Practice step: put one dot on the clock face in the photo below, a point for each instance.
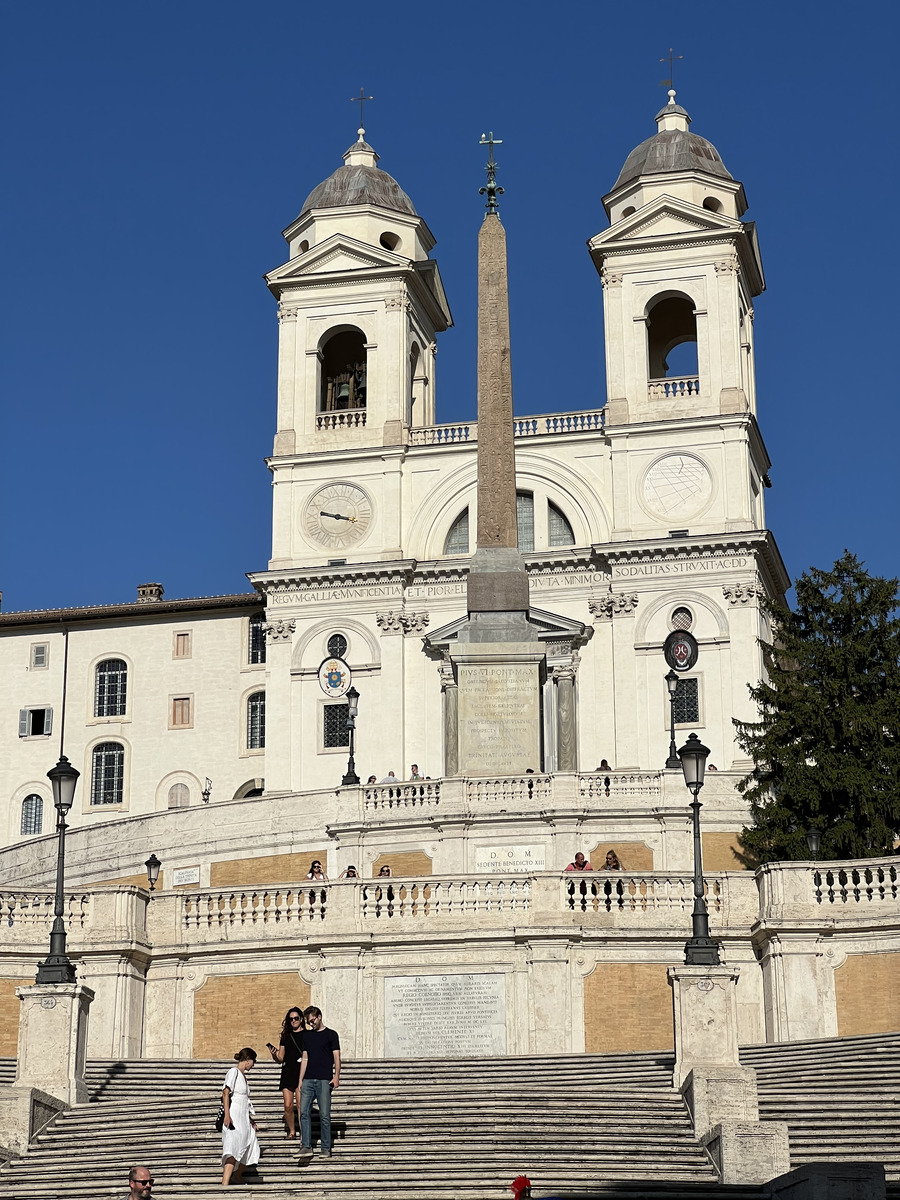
(337, 516)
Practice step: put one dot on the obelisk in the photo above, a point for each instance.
(498, 659)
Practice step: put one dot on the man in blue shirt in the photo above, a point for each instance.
(320, 1074)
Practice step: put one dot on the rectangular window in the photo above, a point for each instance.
(334, 726)
(687, 702)
(35, 722)
(40, 656)
(256, 644)
(182, 647)
(181, 712)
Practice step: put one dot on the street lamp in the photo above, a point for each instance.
(700, 950)
(152, 864)
(352, 709)
(206, 789)
(814, 841)
(57, 967)
(672, 762)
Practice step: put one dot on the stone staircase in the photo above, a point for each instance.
(840, 1098)
(441, 1130)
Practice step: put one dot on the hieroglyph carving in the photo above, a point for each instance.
(613, 605)
(280, 631)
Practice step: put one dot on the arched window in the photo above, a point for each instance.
(110, 684)
(256, 642)
(256, 721)
(558, 527)
(107, 773)
(179, 795)
(32, 814)
(525, 520)
(343, 371)
(671, 324)
(457, 540)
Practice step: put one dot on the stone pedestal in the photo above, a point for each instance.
(748, 1151)
(706, 1026)
(53, 1024)
(499, 715)
(24, 1112)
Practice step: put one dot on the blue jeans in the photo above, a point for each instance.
(320, 1091)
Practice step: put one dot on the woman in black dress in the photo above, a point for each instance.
(288, 1054)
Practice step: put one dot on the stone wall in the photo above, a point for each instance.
(233, 1011)
(627, 1006)
(867, 988)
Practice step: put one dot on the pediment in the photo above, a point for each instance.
(337, 253)
(666, 217)
(551, 627)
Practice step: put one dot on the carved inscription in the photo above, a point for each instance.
(681, 566)
(444, 1016)
(499, 730)
(508, 860)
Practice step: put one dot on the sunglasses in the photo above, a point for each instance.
(296, 1018)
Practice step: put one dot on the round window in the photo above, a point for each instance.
(337, 645)
(682, 618)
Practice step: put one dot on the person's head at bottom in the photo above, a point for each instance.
(140, 1183)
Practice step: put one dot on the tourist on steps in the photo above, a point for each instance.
(140, 1183)
(288, 1054)
(320, 1074)
(240, 1147)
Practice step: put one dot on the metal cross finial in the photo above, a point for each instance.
(491, 191)
(360, 100)
(671, 58)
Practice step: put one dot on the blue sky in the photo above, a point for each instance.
(154, 153)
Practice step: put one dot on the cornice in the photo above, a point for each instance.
(142, 608)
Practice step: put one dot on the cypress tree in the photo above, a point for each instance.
(826, 747)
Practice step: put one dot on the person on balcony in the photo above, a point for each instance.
(612, 861)
(316, 872)
(580, 864)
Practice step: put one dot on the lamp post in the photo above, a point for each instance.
(700, 950)
(814, 841)
(57, 967)
(352, 709)
(206, 789)
(672, 762)
(152, 864)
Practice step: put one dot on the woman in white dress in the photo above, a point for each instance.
(240, 1147)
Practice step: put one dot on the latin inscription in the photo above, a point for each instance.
(498, 718)
(444, 1016)
(507, 860)
(686, 566)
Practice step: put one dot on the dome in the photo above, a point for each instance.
(359, 181)
(673, 148)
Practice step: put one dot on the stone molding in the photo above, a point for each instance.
(285, 313)
(407, 623)
(613, 605)
(280, 631)
(742, 593)
(610, 278)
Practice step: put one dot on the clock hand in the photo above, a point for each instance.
(337, 516)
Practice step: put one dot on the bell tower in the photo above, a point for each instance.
(360, 304)
(679, 270)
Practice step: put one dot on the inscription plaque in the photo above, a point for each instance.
(444, 1016)
(499, 718)
(502, 860)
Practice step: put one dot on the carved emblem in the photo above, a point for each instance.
(280, 631)
(741, 593)
(402, 622)
(613, 605)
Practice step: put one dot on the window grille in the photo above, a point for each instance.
(110, 688)
(335, 731)
(256, 721)
(682, 618)
(525, 520)
(687, 702)
(179, 795)
(32, 814)
(107, 773)
(458, 538)
(560, 531)
(257, 641)
(337, 645)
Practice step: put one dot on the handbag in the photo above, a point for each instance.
(220, 1117)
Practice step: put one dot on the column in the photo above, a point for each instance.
(566, 739)
(450, 698)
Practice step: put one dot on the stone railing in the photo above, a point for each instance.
(347, 418)
(394, 796)
(615, 785)
(675, 388)
(515, 790)
(234, 908)
(432, 897)
(614, 891)
(857, 890)
(92, 916)
(589, 421)
(27, 910)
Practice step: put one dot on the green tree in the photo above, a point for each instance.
(826, 747)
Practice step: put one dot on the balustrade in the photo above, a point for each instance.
(856, 884)
(599, 784)
(432, 897)
(620, 892)
(33, 911)
(513, 789)
(238, 907)
(346, 418)
(401, 795)
(675, 388)
(544, 425)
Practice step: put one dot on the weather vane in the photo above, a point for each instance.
(360, 100)
(491, 191)
(671, 59)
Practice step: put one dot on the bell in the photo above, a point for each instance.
(343, 391)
